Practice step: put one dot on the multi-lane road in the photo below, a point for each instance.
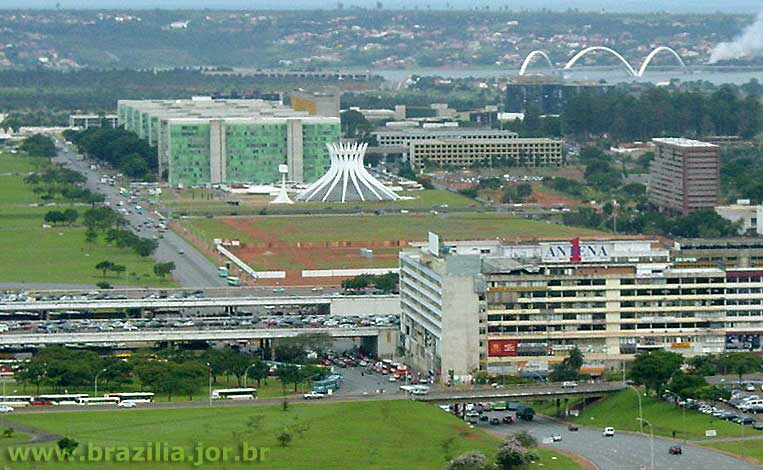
(624, 451)
(192, 268)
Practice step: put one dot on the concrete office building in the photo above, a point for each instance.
(685, 175)
(404, 137)
(86, 121)
(749, 216)
(519, 308)
(210, 141)
(548, 94)
(316, 103)
(532, 152)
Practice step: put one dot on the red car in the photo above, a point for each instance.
(675, 450)
(508, 420)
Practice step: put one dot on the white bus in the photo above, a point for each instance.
(98, 401)
(234, 394)
(136, 397)
(15, 401)
(62, 399)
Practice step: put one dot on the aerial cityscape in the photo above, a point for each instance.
(381, 235)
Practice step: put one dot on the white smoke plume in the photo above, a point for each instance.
(749, 43)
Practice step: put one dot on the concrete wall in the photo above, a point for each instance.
(460, 345)
(365, 306)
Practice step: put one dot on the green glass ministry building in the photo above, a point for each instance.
(210, 141)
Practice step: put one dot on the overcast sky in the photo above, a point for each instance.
(677, 6)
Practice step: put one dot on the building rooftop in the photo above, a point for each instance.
(448, 130)
(683, 142)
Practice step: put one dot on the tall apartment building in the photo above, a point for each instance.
(209, 141)
(519, 308)
(685, 175)
(488, 152)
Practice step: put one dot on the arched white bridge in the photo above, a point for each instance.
(632, 71)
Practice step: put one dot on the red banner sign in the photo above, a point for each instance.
(502, 347)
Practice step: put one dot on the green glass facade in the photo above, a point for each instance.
(254, 151)
(231, 141)
(189, 154)
(315, 155)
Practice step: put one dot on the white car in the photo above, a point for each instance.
(313, 396)
(608, 432)
(6, 409)
(127, 404)
(569, 384)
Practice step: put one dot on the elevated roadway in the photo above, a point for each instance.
(523, 393)
(339, 305)
(190, 335)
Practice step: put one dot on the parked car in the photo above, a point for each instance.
(757, 426)
(508, 420)
(495, 420)
(572, 427)
(675, 450)
(569, 384)
(556, 437)
(484, 418)
(608, 432)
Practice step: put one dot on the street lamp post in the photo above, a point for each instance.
(95, 382)
(651, 439)
(209, 370)
(640, 413)
(246, 372)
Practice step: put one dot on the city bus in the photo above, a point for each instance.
(98, 401)
(62, 399)
(234, 394)
(136, 397)
(15, 401)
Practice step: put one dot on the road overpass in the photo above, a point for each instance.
(384, 339)
(523, 393)
(339, 305)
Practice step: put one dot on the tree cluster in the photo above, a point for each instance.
(514, 194)
(57, 180)
(384, 282)
(569, 368)
(39, 145)
(515, 453)
(119, 148)
(68, 216)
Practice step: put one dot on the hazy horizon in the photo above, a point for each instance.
(624, 6)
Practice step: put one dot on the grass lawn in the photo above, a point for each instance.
(14, 191)
(388, 227)
(209, 202)
(16, 437)
(61, 255)
(620, 410)
(753, 449)
(15, 163)
(368, 435)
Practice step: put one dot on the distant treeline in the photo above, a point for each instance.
(658, 112)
